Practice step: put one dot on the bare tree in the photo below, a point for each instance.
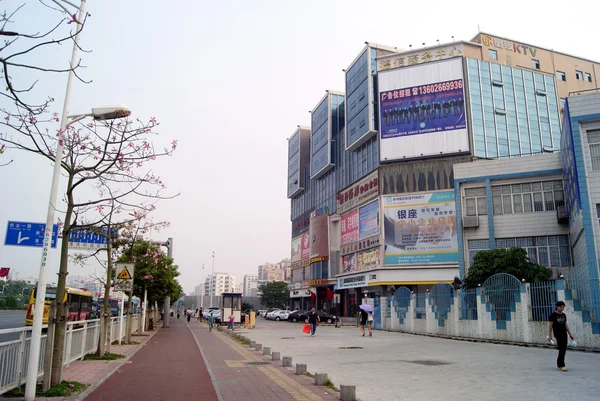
(103, 162)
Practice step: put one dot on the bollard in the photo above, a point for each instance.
(286, 362)
(347, 393)
(301, 369)
(275, 356)
(258, 347)
(267, 351)
(320, 379)
(252, 344)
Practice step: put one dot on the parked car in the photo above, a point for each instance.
(206, 312)
(297, 316)
(324, 317)
(261, 312)
(269, 311)
(279, 315)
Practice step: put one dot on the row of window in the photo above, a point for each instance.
(516, 198)
(548, 251)
(579, 75)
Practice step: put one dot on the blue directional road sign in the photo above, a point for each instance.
(22, 233)
(88, 239)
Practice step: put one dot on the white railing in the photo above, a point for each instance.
(81, 338)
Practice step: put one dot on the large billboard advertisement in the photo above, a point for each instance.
(296, 252)
(350, 227)
(319, 238)
(305, 246)
(570, 179)
(364, 190)
(422, 110)
(420, 229)
(368, 217)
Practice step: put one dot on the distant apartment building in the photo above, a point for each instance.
(219, 283)
(247, 285)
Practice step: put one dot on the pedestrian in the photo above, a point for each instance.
(201, 314)
(370, 320)
(211, 321)
(231, 324)
(363, 320)
(189, 315)
(313, 320)
(558, 325)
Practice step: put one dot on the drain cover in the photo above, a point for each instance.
(258, 363)
(288, 338)
(430, 362)
(351, 347)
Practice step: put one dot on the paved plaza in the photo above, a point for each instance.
(395, 366)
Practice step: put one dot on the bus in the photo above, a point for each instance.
(79, 301)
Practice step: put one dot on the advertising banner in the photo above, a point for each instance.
(357, 194)
(350, 227)
(368, 260)
(319, 239)
(349, 263)
(368, 220)
(305, 246)
(420, 229)
(360, 280)
(570, 181)
(296, 255)
(422, 109)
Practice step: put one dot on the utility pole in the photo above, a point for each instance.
(167, 302)
(214, 283)
(202, 298)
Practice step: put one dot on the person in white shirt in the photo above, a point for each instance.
(370, 320)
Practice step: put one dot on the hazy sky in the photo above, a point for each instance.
(230, 81)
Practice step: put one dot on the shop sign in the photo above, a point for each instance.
(358, 246)
(319, 259)
(300, 293)
(418, 57)
(299, 264)
(360, 280)
(315, 283)
(357, 194)
(508, 45)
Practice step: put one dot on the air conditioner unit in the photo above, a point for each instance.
(562, 215)
(470, 221)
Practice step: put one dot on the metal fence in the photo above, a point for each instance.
(468, 302)
(585, 291)
(501, 292)
(542, 297)
(441, 296)
(81, 338)
(421, 304)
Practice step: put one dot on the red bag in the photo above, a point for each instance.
(306, 328)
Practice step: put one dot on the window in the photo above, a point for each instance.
(561, 76)
(588, 77)
(530, 197)
(535, 64)
(594, 143)
(475, 201)
(493, 54)
(548, 251)
(579, 75)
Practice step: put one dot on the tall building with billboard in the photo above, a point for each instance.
(458, 153)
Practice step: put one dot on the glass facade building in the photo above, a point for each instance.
(514, 111)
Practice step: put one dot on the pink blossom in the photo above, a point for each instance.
(73, 19)
(174, 144)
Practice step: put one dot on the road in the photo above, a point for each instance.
(10, 319)
(395, 366)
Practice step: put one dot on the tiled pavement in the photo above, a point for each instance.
(239, 372)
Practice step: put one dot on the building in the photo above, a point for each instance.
(457, 153)
(219, 283)
(199, 290)
(248, 279)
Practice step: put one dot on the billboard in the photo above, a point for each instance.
(305, 246)
(420, 229)
(319, 238)
(349, 263)
(368, 259)
(350, 227)
(296, 253)
(362, 191)
(422, 110)
(368, 217)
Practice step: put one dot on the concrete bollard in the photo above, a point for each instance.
(276, 356)
(321, 379)
(267, 351)
(286, 362)
(258, 347)
(252, 344)
(347, 393)
(301, 369)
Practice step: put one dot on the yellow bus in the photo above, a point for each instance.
(80, 304)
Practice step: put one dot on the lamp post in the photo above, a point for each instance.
(98, 114)
(202, 298)
(212, 278)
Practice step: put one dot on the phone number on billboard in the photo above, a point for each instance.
(441, 87)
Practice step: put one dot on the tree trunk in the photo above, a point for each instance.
(62, 310)
(105, 328)
(129, 317)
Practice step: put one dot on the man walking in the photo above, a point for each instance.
(558, 325)
(231, 324)
(313, 320)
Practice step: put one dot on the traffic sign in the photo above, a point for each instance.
(22, 233)
(124, 279)
(86, 239)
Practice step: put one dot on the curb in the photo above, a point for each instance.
(491, 341)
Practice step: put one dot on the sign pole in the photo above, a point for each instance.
(121, 320)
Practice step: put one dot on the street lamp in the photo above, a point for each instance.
(98, 114)
(212, 278)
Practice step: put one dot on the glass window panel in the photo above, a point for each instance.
(595, 156)
(538, 203)
(563, 240)
(481, 206)
(554, 256)
(501, 243)
(518, 203)
(565, 256)
(527, 205)
(542, 241)
(549, 200)
(547, 185)
(526, 187)
(506, 189)
(543, 256)
(553, 240)
(497, 202)
(511, 242)
(522, 242)
(481, 191)
(537, 186)
(516, 188)
(507, 204)
(496, 191)
(532, 254)
(470, 193)
(558, 185)
(471, 207)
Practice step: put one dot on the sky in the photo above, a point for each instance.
(230, 81)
